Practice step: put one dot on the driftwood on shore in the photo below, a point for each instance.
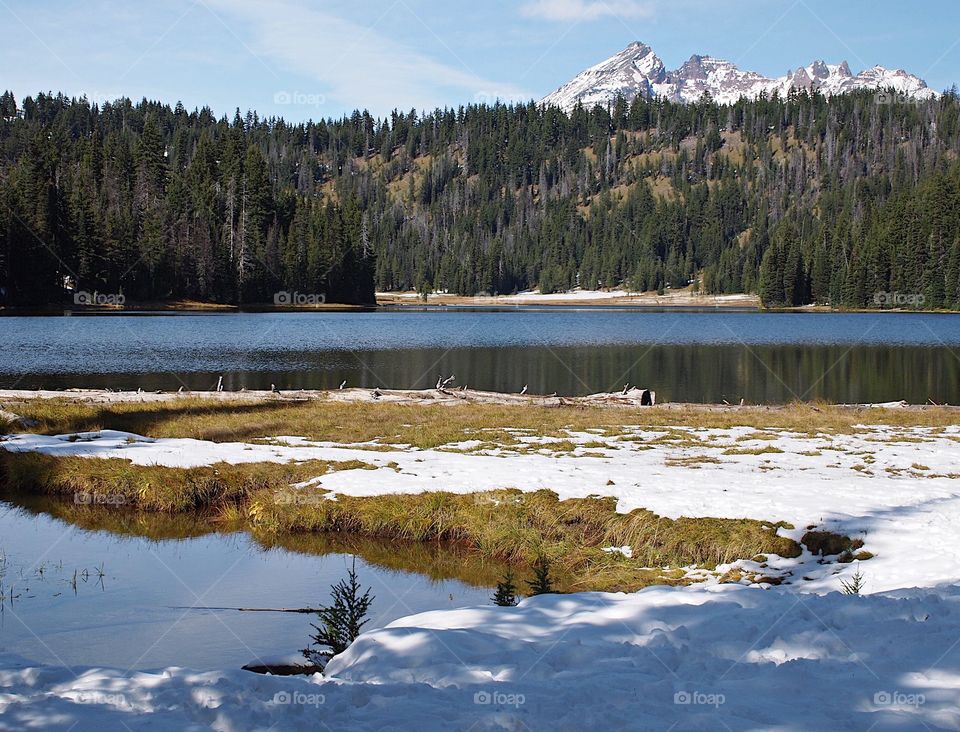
(16, 420)
(632, 397)
(625, 398)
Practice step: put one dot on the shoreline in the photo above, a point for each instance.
(453, 396)
(674, 300)
(512, 480)
(190, 306)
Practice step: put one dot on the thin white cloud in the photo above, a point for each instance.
(568, 10)
(356, 66)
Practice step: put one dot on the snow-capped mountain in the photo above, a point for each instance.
(638, 70)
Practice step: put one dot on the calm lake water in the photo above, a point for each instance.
(152, 564)
(684, 356)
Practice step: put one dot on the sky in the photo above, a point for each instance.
(303, 59)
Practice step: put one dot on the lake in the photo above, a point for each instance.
(155, 567)
(696, 356)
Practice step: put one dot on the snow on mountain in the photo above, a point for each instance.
(638, 70)
(632, 71)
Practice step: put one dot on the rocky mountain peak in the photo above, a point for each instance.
(637, 70)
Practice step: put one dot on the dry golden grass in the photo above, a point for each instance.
(429, 426)
(506, 525)
(520, 527)
(118, 482)
(765, 450)
(691, 461)
(758, 436)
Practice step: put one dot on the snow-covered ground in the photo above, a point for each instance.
(533, 297)
(537, 296)
(710, 658)
(527, 296)
(701, 657)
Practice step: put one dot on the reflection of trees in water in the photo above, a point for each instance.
(117, 521)
(766, 374)
(695, 373)
(438, 561)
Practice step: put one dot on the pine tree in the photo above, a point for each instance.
(8, 106)
(771, 278)
(151, 165)
(855, 585)
(506, 592)
(820, 273)
(542, 583)
(952, 277)
(341, 622)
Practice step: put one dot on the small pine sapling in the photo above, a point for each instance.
(506, 593)
(542, 583)
(855, 584)
(340, 623)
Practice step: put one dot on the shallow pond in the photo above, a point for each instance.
(155, 568)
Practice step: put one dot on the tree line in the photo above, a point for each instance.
(849, 201)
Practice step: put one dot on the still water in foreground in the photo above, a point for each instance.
(155, 566)
(685, 356)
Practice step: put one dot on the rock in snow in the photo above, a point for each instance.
(637, 70)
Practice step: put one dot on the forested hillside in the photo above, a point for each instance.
(848, 201)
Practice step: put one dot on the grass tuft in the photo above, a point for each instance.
(765, 450)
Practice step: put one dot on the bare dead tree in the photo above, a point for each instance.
(444, 383)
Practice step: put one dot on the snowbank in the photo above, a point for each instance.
(724, 657)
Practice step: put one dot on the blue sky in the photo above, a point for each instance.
(302, 59)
